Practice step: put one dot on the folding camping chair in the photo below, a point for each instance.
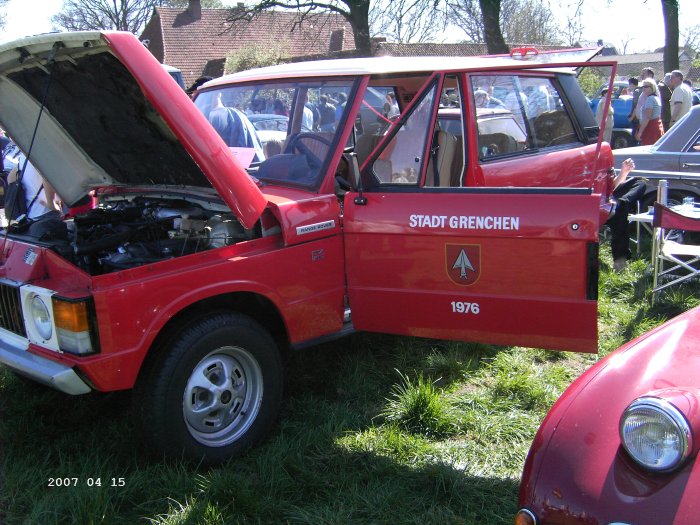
(673, 262)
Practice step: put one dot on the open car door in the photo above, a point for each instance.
(501, 265)
(511, 267)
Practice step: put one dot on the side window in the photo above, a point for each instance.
(379, 111)
(695, 146)
(446, 164)
(516, 113)
(401, 161)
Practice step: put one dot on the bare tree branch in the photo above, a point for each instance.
(691, 38)
(2, 14)
(624, 44)
(407, 20)
(521, 21)
(573, 29)
(123, 15)
(356, 12)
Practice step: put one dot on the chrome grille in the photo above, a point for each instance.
(11, 310)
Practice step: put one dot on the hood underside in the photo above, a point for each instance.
(108, 114)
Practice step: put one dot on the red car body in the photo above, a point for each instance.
(578, 472)
(291, 263)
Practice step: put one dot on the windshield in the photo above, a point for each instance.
(282, 132)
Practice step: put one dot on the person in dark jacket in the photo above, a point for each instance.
(665, 93)
(634, 88)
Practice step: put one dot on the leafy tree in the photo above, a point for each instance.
(356, 12)
(252, 56)
(590, 81)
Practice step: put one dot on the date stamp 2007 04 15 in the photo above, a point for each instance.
(90, 482)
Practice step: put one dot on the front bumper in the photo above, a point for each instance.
(14, 355)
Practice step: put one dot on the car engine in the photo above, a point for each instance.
(128, 233)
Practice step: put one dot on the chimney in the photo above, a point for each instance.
(195, 9)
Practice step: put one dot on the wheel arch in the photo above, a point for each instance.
(254, 305)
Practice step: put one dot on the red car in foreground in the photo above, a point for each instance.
(209, 254)
(620, 445)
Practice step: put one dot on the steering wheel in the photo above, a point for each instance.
(297, 143)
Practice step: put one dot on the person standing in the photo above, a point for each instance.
(665, 92)
(633, 84)
(327, 113)
(647, 74)
(682, 97)
(609, 120)
(650, 127)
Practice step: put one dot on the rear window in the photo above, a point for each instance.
(516, 113)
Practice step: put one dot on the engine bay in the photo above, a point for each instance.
(127, 233)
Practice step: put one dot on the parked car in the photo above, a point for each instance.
(674, 157)
(194, 274)
(175, 74)
(621, 104)
(269, 126)
(620, 445)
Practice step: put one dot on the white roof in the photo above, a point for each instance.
(384, 65)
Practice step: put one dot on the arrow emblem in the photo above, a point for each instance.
(463, 263)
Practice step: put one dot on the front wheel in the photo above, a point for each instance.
(214, 393)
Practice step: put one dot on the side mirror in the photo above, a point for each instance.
(355, 176)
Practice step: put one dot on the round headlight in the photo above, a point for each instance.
(41, 318)
(655, 434)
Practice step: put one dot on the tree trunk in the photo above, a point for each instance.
(359, 20)
(491, 12)
(670, 10)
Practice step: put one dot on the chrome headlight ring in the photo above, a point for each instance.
(655, 434)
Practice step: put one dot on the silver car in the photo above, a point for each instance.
(674, 157)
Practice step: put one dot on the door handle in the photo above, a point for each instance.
(690, 165)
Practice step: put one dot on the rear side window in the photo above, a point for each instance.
(517, 113)
(402, 160)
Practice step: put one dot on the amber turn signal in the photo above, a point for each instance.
(71, 316)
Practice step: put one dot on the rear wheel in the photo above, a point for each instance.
(621, 140)
(214, 392)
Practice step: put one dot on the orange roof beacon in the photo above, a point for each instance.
(386, 201)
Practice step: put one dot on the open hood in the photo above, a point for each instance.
(111, 115)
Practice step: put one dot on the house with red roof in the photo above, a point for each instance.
(197, 40)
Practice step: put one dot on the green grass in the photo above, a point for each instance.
(374, 429)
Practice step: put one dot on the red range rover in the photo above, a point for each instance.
(209, 254)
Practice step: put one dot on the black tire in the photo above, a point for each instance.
(213, 392)
(621, 140)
